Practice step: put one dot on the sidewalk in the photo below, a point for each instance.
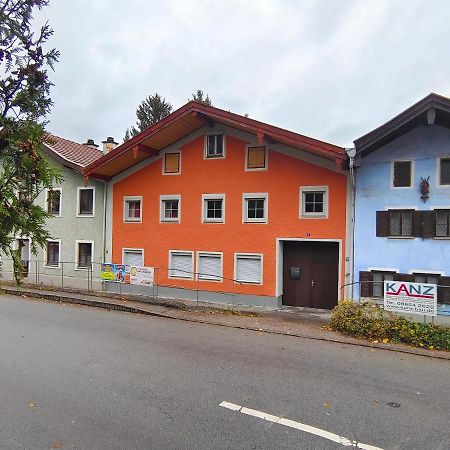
(298, 322)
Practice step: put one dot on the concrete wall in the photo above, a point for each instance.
(374, 192)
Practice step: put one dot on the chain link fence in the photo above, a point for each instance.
(68, 275)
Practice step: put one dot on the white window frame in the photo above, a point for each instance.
(79, 189)
(45, 254)
(127, 219)
(412, 173)
(313, 215)
(127, 249)
(249, 256)
(164, 163)
(60, 201)
(162, 199)
(214, 133)
(266, 158)
(438, 171)
(205, 198)
(440, 208)
(83, 241)
(170, 269)
(252, 196)
(215, 254)
(401, 208)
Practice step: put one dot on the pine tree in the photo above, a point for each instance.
(24, 103)
(151, 110)
(198, 96)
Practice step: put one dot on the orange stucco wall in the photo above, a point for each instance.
(198, 176)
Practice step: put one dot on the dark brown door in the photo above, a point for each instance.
(310, 274)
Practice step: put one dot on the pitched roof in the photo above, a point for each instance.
(71, 154)
(191, 117)
(432, 109)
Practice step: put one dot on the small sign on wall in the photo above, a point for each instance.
(413, 298)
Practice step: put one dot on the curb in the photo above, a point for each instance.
(134, 310)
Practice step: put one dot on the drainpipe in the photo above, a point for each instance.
(105, 188)
(351, 152)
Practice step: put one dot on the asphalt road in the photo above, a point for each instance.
(75, 377)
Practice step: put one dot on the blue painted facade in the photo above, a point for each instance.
(423, 145)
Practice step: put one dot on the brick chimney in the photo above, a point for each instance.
(90, 143)
(109, 144)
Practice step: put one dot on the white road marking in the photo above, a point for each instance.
(299, 426)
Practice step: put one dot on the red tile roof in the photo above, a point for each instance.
(71, 153)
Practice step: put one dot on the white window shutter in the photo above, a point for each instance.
(248, 269)
(209, 267)
(181, 265)
(133, 258)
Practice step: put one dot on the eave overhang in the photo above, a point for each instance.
(192, 117)
(433, 109)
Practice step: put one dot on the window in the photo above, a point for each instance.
(248, 268)
(86, 201)
(52, 254)
(256, 158)
(209, 266)
(442, 223)
(132, 209)
(170, 208)
(400, 223)
(429, 278)
(54, 201)
(378, 282)
(84, 254)
(181, 264)
(255, 208)
(402, 173)
(213, 208)
(314, 201)
(444, 171)
(172, 163)
(215, 145)
(133, 257)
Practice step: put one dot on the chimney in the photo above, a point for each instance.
(109, 145)
(90, 143)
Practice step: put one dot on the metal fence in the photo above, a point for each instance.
(67, 275)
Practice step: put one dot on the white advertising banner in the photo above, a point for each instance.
(143, 276)
(413, 298)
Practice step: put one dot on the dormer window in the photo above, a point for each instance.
(214, 145)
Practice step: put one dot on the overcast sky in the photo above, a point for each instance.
(328, 69)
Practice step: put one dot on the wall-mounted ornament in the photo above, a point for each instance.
(424, 188)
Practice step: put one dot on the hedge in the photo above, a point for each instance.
(369, 321)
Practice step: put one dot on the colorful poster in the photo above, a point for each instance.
(143, 276)
(413, 298)
(113, 272)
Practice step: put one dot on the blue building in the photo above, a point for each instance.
(401, 177)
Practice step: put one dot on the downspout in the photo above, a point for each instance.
(351, 152)
(105, 188)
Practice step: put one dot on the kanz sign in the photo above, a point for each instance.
(413, 298)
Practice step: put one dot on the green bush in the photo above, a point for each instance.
(368, 321)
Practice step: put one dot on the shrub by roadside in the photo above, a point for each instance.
(368, 321)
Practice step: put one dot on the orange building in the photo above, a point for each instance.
(241, 210)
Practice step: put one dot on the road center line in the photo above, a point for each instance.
(298, 426)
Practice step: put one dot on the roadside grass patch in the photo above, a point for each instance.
(364, 320)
